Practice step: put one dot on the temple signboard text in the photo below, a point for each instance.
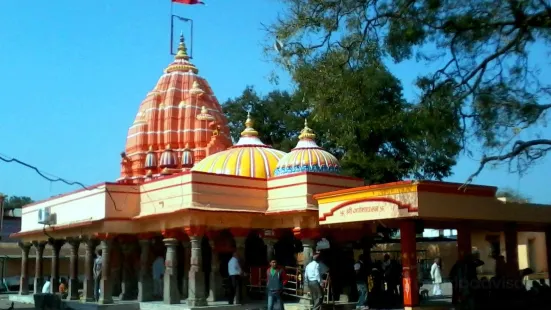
(359, 211)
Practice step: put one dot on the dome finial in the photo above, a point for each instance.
(182, 50)
(249, 130)
(307, 132)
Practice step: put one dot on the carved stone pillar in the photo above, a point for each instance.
(215, 287)
(308, 248)
(171, 295)
(196, 291)
(240, 249)
(127, 247)
(24, 279)
(90, 246)
(56, 247)
(270, 254)
(73, 270)
(39, 266)
(145, 282)
(186, 261)
(106, 283)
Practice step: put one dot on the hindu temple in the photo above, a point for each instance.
(188, 193)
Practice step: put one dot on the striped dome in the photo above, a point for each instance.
(307, 156)
(249, 157)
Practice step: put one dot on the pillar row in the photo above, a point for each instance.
(24, 279)
(106, 283)
(73, 269)
(171, 295)
(39, 266)
(145, 281)
(56, 247)
(196, 286)
(90, 247)
(127, 269)
(215, 288)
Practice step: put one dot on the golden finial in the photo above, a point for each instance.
(182, 50)
(249, 130)
(150, 149)
(306, 132)
(168, 147)
(186, 148)
(204, 115)
(196, 89)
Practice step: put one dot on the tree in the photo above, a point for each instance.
(16, 202)
(278, 116)
(512, 196)
(480, 51)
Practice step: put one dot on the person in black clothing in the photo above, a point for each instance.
(361, 282)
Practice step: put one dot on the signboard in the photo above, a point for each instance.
(366, 210)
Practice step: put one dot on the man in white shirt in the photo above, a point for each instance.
(46, 287)
(312, 278)
(235, 273)
(158, 274)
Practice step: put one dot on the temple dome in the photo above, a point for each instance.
(249, 157)
(307, 156)
(180, 110)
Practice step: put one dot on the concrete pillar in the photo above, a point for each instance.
(186, 261)
(215, 289)
(127, 270)
(106, 283)
(511, 247)
(90, 246)
(464, 245)
(73, 269)
(56, 247)
(24, 279)
(196, 285)
(308, 248)
(548, 247)
(240, 249)
(270, 248)
(145, 281)
(39, 266)
(170, 288)
(410, 285)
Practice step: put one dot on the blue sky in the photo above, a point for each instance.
(74, 73)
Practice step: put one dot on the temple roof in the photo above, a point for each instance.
(180, 110)
(307, 156)
(249, 157)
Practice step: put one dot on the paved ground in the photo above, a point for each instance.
(5, 303)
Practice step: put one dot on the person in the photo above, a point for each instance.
(312, 277)
(436, 276)
(98, 265)
(63, 288)
(235, 272)
(47, 285)
(276, 278)
(158, 274)
(361, 282)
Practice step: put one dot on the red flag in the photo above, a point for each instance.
(189, 2)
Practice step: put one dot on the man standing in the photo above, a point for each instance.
(235, 273)
(361, 283)
(312, 277)
(276, 279)
(436, 276)
(98, 265)
(158, 274)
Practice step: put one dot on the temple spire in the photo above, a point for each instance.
(307, 132)
(249, 130)
(182, 50)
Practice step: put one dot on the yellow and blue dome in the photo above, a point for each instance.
(249, 157)
(307, 156)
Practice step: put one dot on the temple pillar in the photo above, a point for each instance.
(73, 269)
(215, 287)
(511, 247)
(270, 255)
(171, 295)
(39, 267)
(464, 245)
(186, 261)
(308, 249)
(196, 285)
(90, 246)
(56, 247)
(106, 282)
(127, 247)
(24, 278)
(145, 281)
(240, 249)
(410, 285)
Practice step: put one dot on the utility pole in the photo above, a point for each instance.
(2, 198)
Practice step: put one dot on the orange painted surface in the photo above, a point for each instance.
(180, 110)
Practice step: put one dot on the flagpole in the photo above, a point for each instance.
(171, 27)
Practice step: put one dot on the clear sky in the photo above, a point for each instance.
(73, 74)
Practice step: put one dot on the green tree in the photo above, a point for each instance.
(479, 53)
(278, 116)
(512, 195)
(16, 202)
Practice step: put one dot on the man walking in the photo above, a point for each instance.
(276, 280)
(235, 273)
(98, 265)
(312, 277)
(361, 283)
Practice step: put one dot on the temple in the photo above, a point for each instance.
(190, 195)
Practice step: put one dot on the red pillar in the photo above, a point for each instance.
(409, 264)
(464, 245)
(548, 248)
(511, 247)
